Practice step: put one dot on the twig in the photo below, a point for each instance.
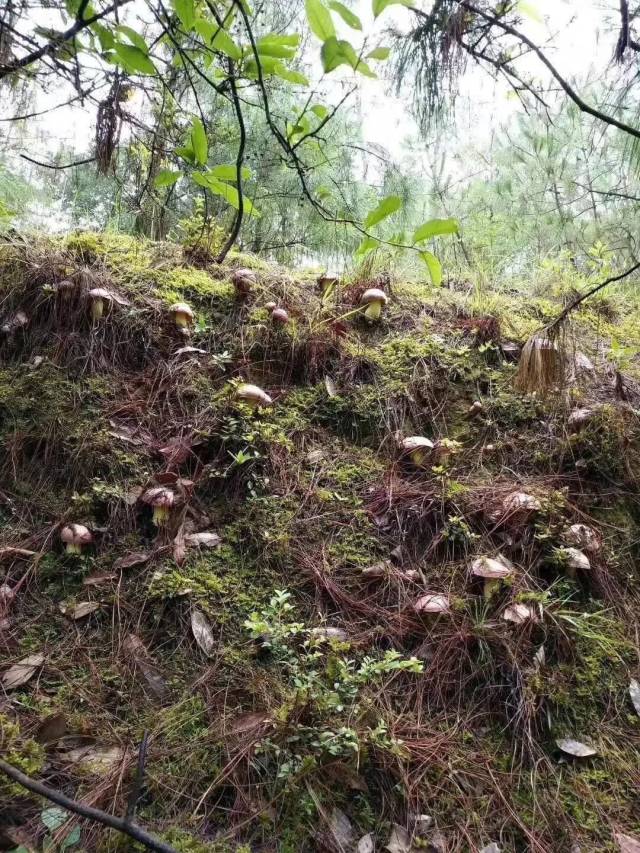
(120, 824)
(55, 166)
(580, 299)
(134, 797)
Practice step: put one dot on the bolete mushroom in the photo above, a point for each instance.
(161, 500)
(493, 571)
(99, 298)
(74, 537)
(373, 299)
(270, 306)
(433, 602)
(253, 396)
(280, 316)
(243, 280)
(575, 561)
(182, 314)
(417, 447)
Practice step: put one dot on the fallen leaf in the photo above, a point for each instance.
(21, 672)
(52, 728)
(315, 456)
(79, 610)
(491, 848)
(399, 840)
(634, 692)
(135, 558)
(365, 845)
(133, 495)
(136, 650)
(341, 829)
(202, 632)
(97, 580)
(341, 772)
(177, 451)
(96, 760)
(10, 551)
(205, 539)
(179, 547)
(248, 722)
(189, 350)
(575, 748)
(627, 843)
(330, 633)
(330, 385)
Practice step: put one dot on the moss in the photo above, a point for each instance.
(22, 752)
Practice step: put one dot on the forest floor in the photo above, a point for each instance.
(272, 637)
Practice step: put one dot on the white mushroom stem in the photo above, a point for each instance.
(182, 319)
(97, 308)
(374, 310)
(160, 515)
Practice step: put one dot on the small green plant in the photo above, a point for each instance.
(52, 819)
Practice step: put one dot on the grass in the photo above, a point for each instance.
(453, 716)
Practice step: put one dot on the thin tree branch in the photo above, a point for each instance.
(237, 223)
(580, 299)
(55, 166)
(564, 84)
(53, 44)
(120, 824)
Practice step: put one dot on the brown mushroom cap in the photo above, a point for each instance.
(159, 496)
(243, 279)
(279, 315)
(491, 568)
(253, 394)
(416, 442)
(76, 534)
(182, 308)
(100, 293)
(270, 306)
(576, 559)
(433, 602)
(373, 294)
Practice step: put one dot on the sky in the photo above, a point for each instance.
(579, 48)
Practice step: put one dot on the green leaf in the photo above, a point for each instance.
(434, 266)
(228, 192)
(319, 19)
(282, 47)
(71, 840)
(367, 245)
(529, 9)
(53, 818)
(319, 110)
(365, 70)
(186, 152)
(223, 42)
(166, 178)
(186, 11)
(379, 53)
(380, 5)
(133, 60)
(228, 172)
(134, 37)
(336, 52)
(105, 36)
(350, 19)
(387, 206)
(291, 76)
(435, 228)
(199, 141)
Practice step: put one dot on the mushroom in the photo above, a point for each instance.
(75, 536)
(161, 500)
(433, 602)
(327, 284)
(182, 314)
(518, 613)
(280, 316)
(243, 280)
(492, 571)
(583, 537)
(576, 561)
(253, 395)
(99, 297)
(270, 306)
(374, 299)
(475, 409)
(417, 448)
(64, 288)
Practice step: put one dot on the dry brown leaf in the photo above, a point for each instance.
(249, 722)
(330, 385)
(20, 673)
(399, 840)
(627, 843)
(133, 495)
(204, 539)
(96, 760)
(341, 829)
(10, 551)
(136, 650)
(52, 728)
(179, 547)
(80, 609)
(634, 692)
(202, 632)
(97, 580)
(134, 558)
(365, 845)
